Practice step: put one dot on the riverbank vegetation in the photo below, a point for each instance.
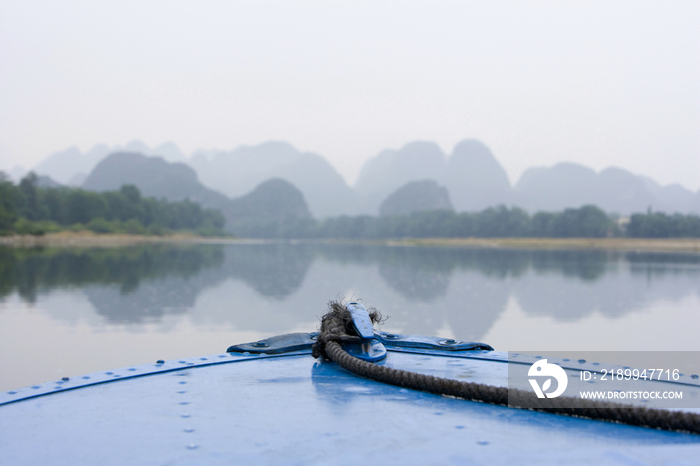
(27, 208)
(498, 222)
(661, 225)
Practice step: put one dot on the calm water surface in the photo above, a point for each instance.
(67, 312)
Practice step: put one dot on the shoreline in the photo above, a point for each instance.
(679, 245)
(89, 239)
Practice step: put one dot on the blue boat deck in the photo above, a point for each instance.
(292, 409)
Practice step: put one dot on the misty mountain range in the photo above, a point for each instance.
(71, 167)
(154, 177)
(471, 175)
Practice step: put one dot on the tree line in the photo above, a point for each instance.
(661, 225)
(27, 208)
(497, 222)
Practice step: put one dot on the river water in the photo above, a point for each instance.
(67, 312)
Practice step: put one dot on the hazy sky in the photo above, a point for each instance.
(598, 83)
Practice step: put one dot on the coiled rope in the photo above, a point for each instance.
(337, 328)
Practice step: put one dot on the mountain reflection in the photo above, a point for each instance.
(471, 287)
(274, 270)
(418, 274)
(273, 286)
(143, 283)
(586, 265)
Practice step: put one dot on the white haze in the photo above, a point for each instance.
(598, 83)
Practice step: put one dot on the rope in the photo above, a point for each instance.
(336, 328)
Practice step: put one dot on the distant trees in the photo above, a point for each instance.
(30, 209)
(660, 225)
(495, 222)
(27, 208)
(8, 211)
(586, 222)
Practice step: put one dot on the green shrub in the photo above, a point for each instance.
(49, 227)
(100, 225)
(26, 227)
(117, 226)
(134, 227)
(156, 229)
(210, 230)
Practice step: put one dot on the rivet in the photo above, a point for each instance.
(184, 402)
(482, 442)
(581, 361)
(189, 429)
(185, 415)
(109, 373)
(260, 344)
(11, 393)
(65, 379)
(35, 387)
(391, 335)
(182, 362)
(202, 359)
(598, 364)
(132, 370)
(160, 361)
(182, 383)
(449, 341)
(694, 376)
(182, 391)
(459, 427)
(85, 377)
(191, 446)
(538, 357)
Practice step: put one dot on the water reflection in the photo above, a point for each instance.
(34, 271)
(272, 287)
(274, 270)
(418, 274)
(66, 312)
